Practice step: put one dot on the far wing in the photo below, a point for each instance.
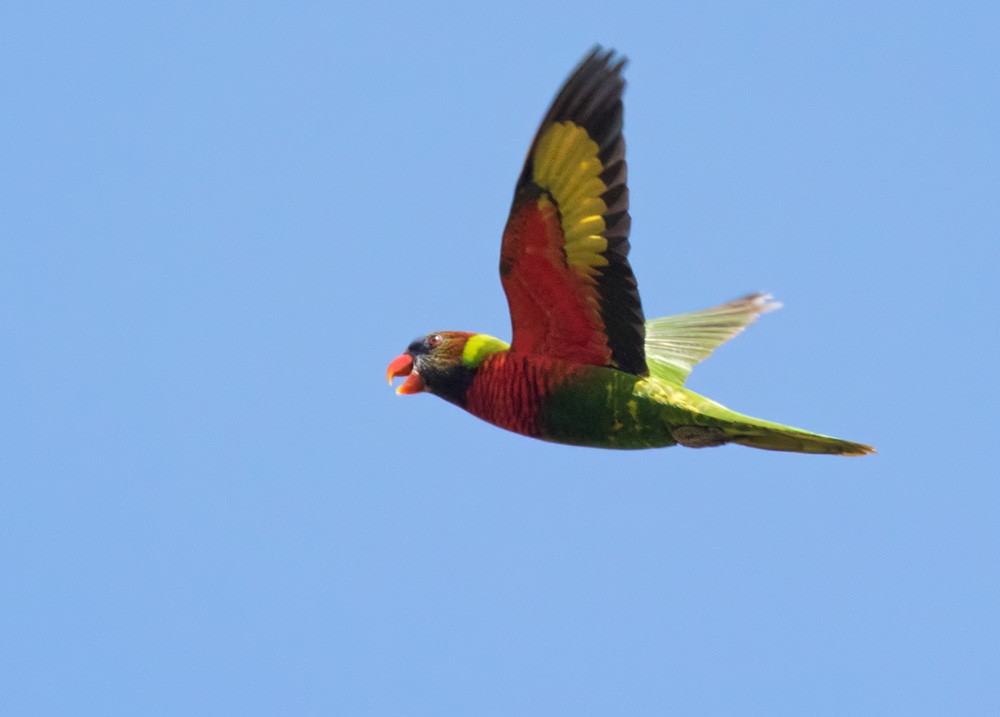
(563, 262)
(674, 344)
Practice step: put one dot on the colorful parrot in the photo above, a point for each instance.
(584, 367)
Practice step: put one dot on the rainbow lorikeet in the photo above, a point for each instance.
(584, 367)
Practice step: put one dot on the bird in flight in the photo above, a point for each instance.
(583, 366)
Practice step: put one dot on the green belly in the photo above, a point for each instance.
(607, 409)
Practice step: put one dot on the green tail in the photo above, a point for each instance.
(702, 422)
(674, 344)
(747, 431)
(783, 438)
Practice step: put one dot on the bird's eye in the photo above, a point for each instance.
(433, 340)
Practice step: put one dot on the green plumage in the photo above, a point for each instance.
(606, 408)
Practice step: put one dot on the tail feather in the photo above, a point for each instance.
(698, 422)
(713, 424)
(783, 438)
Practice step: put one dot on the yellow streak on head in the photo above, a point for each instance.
(479, 347)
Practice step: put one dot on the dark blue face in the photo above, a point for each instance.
(424, 345)
(437, 358)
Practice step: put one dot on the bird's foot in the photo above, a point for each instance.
(698, 436)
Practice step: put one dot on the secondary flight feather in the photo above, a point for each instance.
(583, 366)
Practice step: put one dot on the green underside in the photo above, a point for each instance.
(611, 409)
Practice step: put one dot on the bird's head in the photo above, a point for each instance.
(443, 363)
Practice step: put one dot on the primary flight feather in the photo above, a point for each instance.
(583, 366)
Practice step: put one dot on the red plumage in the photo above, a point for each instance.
(509, 389)
(549, 309)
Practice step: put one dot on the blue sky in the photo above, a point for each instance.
(219, 224)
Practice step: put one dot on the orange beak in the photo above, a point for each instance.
(402, 365)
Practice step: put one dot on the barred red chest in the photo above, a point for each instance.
(510, 389)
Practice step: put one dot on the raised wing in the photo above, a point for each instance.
(563, 262)
(674, 344)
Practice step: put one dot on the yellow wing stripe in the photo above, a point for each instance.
(567, 166)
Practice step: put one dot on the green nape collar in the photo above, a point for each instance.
(480, 347)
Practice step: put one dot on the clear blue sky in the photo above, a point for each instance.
(218, 225)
